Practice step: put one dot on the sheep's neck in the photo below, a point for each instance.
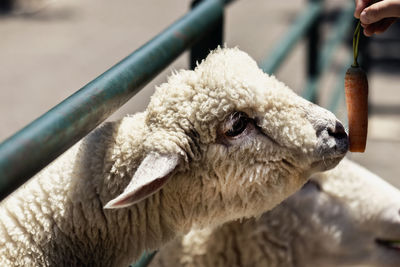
(142, 227)
(264, 242)
(268, 241)
(110, 237)
(114, 237)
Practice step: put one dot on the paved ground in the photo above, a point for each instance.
(47, 55)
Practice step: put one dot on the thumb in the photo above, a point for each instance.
(360, 5)
(380, 10)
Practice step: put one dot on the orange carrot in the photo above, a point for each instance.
(356, 89)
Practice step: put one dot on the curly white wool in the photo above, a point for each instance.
(170, 169)
(343, 217)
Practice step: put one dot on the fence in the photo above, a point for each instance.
(201, 29)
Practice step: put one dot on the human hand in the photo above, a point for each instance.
(376, 16)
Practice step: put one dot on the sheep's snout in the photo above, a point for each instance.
(332, 140)
(329, 131)
(332, 144)
(336, 131)
(332, 136)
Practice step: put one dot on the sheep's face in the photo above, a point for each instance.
(349, 217)
(254, 138)
(244, 137)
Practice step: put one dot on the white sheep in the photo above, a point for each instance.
(344, 217)
(216, 144)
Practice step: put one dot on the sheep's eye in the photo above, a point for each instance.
(237, 124)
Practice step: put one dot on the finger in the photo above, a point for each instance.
(378, 27)
(360, 5)
(368, 31)
(384, 25)
(380, 10)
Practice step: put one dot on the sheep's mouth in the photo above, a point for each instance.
(388, 244)
(327, 162)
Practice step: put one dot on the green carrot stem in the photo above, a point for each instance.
(356, 40)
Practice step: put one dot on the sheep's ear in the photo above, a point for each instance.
(151, 175)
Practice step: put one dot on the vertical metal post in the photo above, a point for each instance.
(364, 55)
(312, 51)
(209, 42)
(6, 6)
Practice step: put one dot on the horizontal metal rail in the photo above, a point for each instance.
(325, 58)
(296, 32)
(32, 148)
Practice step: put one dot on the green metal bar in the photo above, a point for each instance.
(313, 53)
(145, 259)
(32, 148)
(325, 58)
(300, 26)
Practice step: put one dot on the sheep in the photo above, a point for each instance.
(222, 142)
(344, 217)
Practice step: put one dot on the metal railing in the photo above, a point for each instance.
(35, 146)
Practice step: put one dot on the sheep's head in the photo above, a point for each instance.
(240, 135)
(349, 217)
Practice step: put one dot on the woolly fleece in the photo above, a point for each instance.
(334, 220)
(57, 218)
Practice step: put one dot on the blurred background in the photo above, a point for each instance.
(50, 49)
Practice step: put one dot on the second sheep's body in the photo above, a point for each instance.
(219, 143)
(343, 217)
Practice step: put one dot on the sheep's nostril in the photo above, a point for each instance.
(338, 132)
(332, 139)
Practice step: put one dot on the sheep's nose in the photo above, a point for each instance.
(325, 123)
(337, 131)
(332, 135)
